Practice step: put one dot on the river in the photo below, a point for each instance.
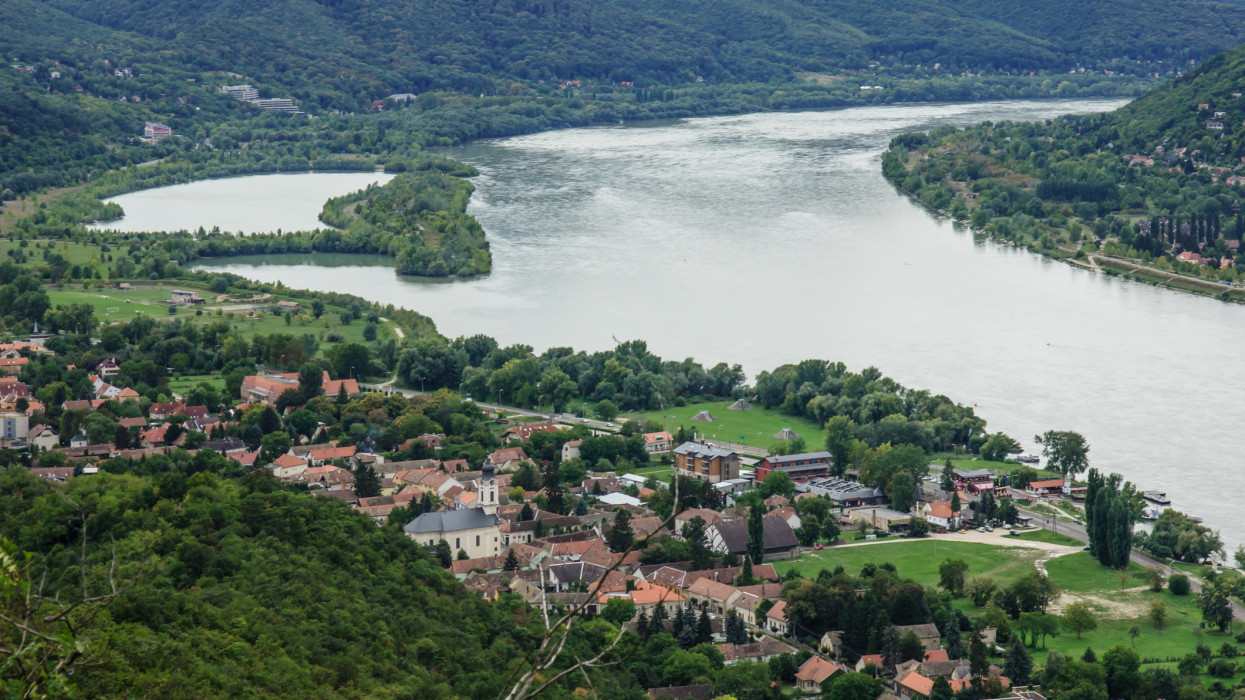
(770, 238)
(238, 204)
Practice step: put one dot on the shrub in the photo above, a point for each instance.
(1221, 668)
(1178, 584)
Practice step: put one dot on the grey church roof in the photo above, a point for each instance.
(452, 521)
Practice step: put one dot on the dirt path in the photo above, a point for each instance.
(397, 330)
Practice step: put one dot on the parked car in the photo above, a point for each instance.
(818, 547)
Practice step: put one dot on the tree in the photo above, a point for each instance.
(1155, 578)
(910, 647)
(1019, 664)
(1157, 614)
(853, 686)
(607, 409)
(444, 554)
(1215, 605)
(941, 689)
(310, 381)
(1178, 584)
(526, 514)
(903, 491)
(980, 589)
(621, 537)
(952, 640)
(736, 631)
(1006, 511)
(618, 610)
(512, 563)
(890, 646)
(997, 447)
(946, 480)
(693, 533)
(756, 533)
(704, 628)
(366, 482)
(978, 656)
(1066, 451)
(956, 506)
(918, 527)
(745, 577)
(951, 576)
(1122, 666)
(1079, 617)
(840, 436)
(777, 483)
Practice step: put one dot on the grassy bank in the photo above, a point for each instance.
(754, 427)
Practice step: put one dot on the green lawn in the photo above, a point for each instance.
(659, 472)
(996, 467)
(114, 305)
(919, 559)
(185, 383)
(75, 253)
(1048, 536)
(755, 427)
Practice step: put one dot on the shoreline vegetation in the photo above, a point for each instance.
(1151, 191)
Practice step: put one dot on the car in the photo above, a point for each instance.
(819, 547)
(583, 420)
(989, 529)
(1085, 548)
(1013, 533)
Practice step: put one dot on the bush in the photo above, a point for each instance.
(1178, 584)
(1221, 668)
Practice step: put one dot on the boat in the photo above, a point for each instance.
(1193, 518)
(1157, 497)
(1150, 514)
(1028, 459)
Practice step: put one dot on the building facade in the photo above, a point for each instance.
(706, 462)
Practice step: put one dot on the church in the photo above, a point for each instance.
(475, 530)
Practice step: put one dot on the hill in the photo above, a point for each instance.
(1148, 190)
(333, 52)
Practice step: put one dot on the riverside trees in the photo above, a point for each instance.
(1110, 507)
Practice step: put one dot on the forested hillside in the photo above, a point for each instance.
(1157, 182)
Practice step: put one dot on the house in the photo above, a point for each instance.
(799, 466)
(939, 514)
(156, 132)
(658, 443)
(12, 366)
(505, 459)
(1048, 487)
(14, 426)
(732, 536)
(867, 660)
(928, 633)
(714, 596)
(831, 642)
(319, 457)
(647, 596)
(974, 479)
(57, 474)
(288, 305)
(267, 388)
(287, 466)
(786, 513)
(108, 367)
(78, 440)
(163, 411)
(42, 437)
(570, 449)
(327, 478)
(880, 518)
(815, 672)
(776, 619)
(706, 462)
(522, 433)
(181, 296)
(475, 530)
(763, 650)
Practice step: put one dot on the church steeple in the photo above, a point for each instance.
(488, 490)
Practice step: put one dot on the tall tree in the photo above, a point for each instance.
(756, 533)
(310, 380)
(512, 562)
(621, 536)
(1019, 664)
(366, 482)
(978, 657)
(952, 640)
(693, 533)
(951, 576)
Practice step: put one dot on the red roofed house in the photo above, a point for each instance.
(319, 457)
(816, 671)
(521, 433)
(161, 411)
(506, 459)
(939, 514)
(287, 466)
(776, 619)
(267, 388)
(1045, 488)
(327, 478)
(658, 443)
(12, 366)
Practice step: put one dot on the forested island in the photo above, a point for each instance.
(1150, 191)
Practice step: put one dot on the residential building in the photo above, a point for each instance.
(288, 466)
(815, 672)
(732, 536)
(570, 449)
(844, 492)
(658, 443)
(181, 296)
(776, 619)
(267, 388)
(800, 467)
(242, 93)
(521, 433)
(706, 462)
(939, 514)
(14, 426)
(42, 437)
(156, 132)
(505, 459)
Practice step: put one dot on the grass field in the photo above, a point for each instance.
(756, 427)
(75, 253)
(919, 559)
(996, 467)
(1048, 536)
(182, 384)
(114, 305)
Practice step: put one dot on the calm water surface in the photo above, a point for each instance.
(767, 239)
(252, 204)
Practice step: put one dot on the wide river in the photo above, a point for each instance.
(771, 238)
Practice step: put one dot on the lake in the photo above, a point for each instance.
(771, 238)
(251, 204)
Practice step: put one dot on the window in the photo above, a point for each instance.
(477, 540)
(458, 544)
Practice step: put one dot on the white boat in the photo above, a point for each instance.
(1157, 497)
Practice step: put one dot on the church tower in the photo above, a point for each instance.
(488, 490)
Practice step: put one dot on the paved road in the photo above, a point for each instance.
(557, 417)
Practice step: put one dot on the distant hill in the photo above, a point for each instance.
(337, 50)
